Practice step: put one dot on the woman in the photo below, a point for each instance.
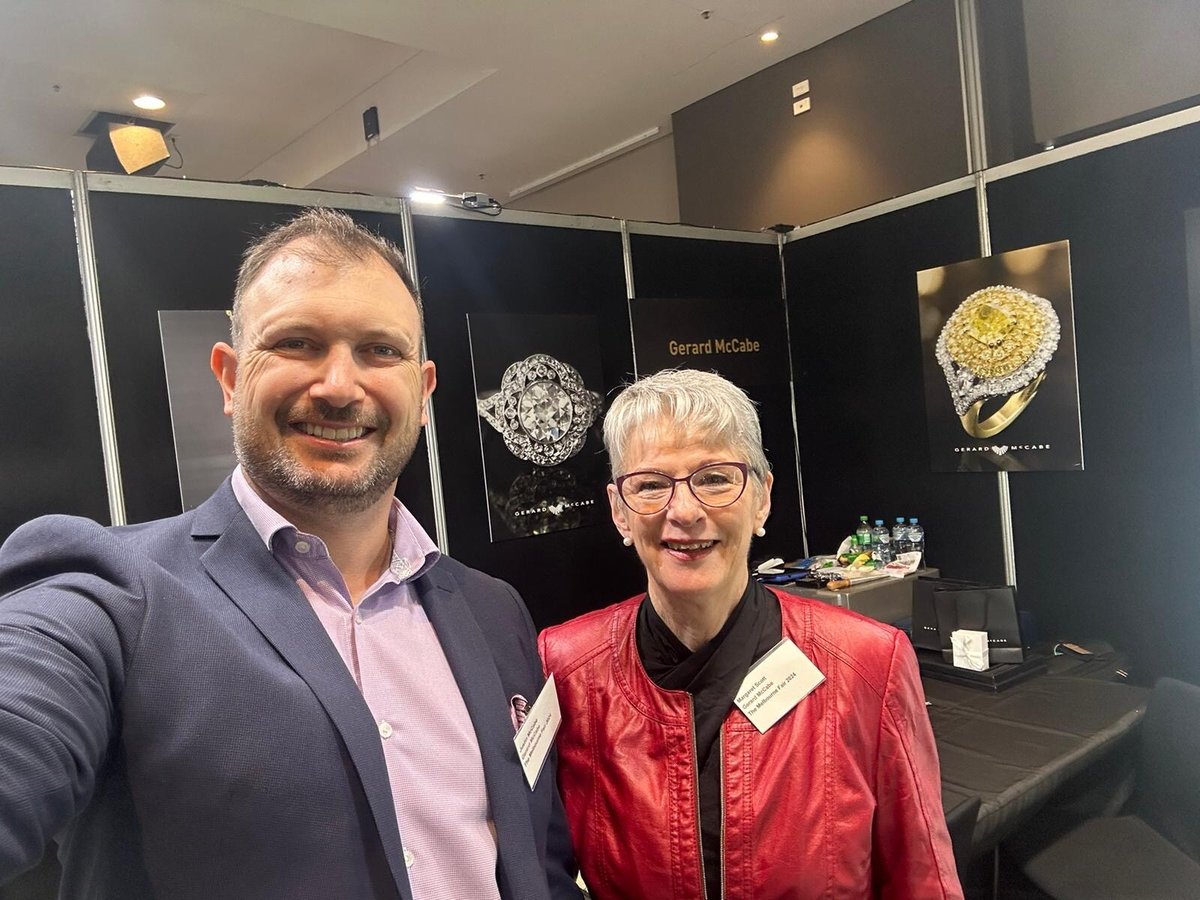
(671, 791)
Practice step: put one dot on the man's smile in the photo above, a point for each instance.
(342, 434)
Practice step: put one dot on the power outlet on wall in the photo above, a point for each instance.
(804, 104)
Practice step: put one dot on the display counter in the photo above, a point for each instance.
(886, 599)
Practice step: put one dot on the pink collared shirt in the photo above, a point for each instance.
(393, 653)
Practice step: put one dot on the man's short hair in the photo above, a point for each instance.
(329, 238)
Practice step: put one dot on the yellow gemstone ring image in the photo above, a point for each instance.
(997, 343)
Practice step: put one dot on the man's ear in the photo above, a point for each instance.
(428, 383)
(223, 363)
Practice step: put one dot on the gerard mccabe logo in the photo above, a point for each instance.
(556, 509)
(1001, 449)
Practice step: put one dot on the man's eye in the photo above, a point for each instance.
(292, 344)
(385, 351)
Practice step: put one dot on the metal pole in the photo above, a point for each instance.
(95, 325)
(627, 257)
(977, 159)
(431, 441)
(787, 330)
(972, 84)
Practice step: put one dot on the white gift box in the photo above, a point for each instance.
(970, 649)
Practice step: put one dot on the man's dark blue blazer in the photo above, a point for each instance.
(174, 714)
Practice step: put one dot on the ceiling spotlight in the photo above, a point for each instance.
(431, 196)
(473, 201)
(149, 101)
(769, 37)
(126, 144)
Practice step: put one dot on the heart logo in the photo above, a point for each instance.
(1001, 450)
(557, 509)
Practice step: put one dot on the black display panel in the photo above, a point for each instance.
(1105, 552)
(856, 351)
(486, 266)
(51, 454)
(689, 268)
(155, 253)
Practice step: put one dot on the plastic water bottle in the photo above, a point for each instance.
(916, 536)
(881, 543)
(863, 532)
(900, 541)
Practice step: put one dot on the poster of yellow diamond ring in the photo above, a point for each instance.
(998, 344)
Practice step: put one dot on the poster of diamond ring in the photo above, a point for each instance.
(538, 401)
(998, 348)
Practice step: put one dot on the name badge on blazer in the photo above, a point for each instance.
(535, 737)
(777, 682)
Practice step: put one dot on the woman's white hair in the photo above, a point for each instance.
(703, 405)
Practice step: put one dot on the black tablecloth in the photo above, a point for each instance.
(1014, 749)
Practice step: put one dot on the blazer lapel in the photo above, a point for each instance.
(478, 679)
(245, 570)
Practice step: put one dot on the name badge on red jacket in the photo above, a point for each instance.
(777, 682)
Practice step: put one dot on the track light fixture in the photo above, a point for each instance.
(475, 201)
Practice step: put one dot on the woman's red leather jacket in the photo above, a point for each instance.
(840, 798)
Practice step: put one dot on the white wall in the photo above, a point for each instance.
(637, 185)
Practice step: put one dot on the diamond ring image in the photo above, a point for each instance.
(543, 410)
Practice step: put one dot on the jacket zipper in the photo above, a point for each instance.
(696, 782)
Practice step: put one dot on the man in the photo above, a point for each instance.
(287, 693)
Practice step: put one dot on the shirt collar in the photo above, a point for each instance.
(412, 548)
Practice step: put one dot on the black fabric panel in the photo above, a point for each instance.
(703, 269)
(728, 270)
(856, 353)
(487, 266)
(51, 451)
(1104, 552)
(153, 253)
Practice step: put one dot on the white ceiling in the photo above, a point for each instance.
(487, 95)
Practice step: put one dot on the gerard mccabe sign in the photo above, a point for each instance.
(746, 341)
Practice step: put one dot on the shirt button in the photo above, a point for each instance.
(408, 857)
(385, 729)
(358, 618)
(303, 546)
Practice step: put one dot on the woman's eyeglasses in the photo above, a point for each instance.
(715, 485)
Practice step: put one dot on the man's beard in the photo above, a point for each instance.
(271, 465)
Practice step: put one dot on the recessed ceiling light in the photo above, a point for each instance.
(769, 37)
(148, 101)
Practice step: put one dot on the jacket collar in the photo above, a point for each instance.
(674, 707)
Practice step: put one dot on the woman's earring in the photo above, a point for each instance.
(760, 531)
(628, 542)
